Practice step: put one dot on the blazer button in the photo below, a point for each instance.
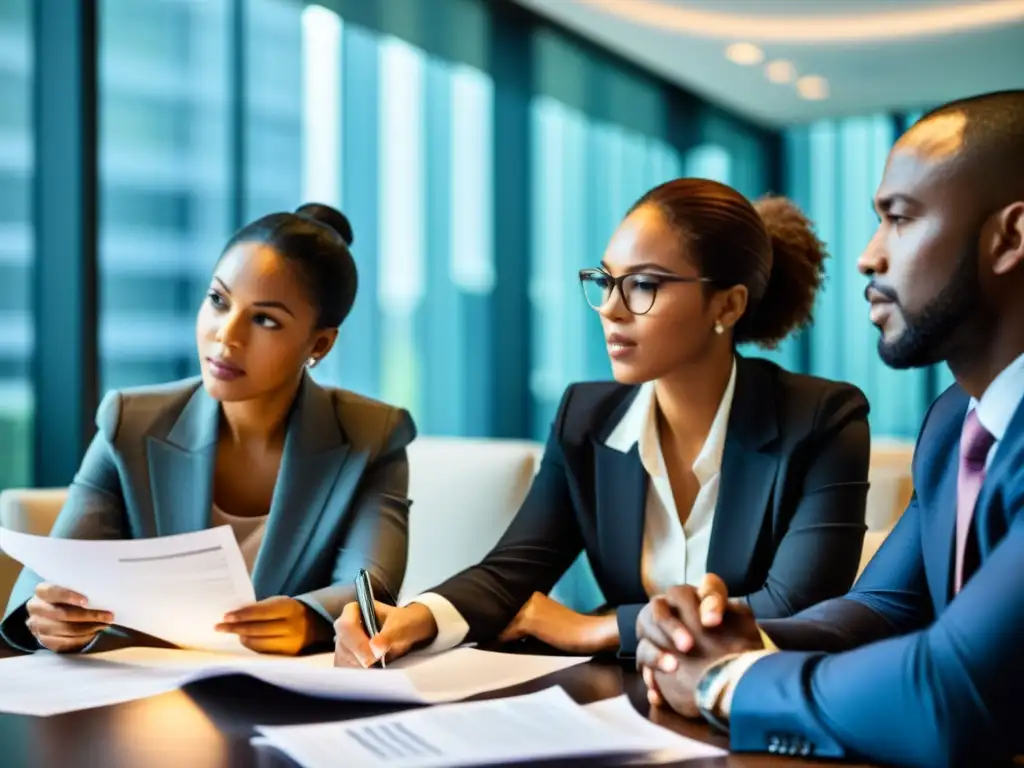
(806, 749)
(773, 744)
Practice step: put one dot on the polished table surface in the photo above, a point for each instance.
(209, 725)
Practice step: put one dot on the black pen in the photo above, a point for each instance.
(367, 607)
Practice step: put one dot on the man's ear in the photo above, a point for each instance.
(1008, 250)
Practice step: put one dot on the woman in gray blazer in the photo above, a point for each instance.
(312, 480)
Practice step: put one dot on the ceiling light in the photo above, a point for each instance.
(865, 26)
(780, 71)
(744, 53)
(812, 87)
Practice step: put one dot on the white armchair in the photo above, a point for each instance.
(464, 494)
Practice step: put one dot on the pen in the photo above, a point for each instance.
(364, 596)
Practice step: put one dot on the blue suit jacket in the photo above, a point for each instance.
(339, 504)
(914, 677)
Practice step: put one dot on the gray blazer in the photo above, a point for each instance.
(340, 502)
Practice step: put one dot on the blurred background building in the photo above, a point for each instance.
(484, 151)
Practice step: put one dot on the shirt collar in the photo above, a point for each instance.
(639, 425)
(1000, 401)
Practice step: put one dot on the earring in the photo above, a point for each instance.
(311, 363)
(719, 328)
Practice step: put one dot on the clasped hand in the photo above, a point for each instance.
(683, 632)
(61, 621)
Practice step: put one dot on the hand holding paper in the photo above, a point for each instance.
(176, 588)
(281, 625)
(60, 620)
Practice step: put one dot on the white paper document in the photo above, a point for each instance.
(415, 679)
(68, 683)
(45, 684)
(540, 726)
(176, 588)
(665, 746)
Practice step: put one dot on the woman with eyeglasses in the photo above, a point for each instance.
(696, 460)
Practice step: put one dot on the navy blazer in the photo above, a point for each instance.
(788, 527)
(917, 678)
(340, 502)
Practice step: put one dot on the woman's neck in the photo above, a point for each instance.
(689, 397)
(259, 422)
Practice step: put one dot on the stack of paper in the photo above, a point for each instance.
(66, 683)
(541, 726)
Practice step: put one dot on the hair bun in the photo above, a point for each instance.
(798, 268)
(330, 217)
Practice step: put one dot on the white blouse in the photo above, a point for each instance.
(248, 532)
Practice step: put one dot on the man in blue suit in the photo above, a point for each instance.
(922, 663)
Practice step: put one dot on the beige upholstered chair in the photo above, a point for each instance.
(29, 511)
(891, 489)
(464, 495)
(891, 483)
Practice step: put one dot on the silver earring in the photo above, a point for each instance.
(311, 363)
(719, 328)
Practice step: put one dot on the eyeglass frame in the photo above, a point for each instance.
(616, 284)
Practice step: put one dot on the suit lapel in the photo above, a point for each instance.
(181, 468)
(315, 451)
(622, 485)
(935, 479)
(939, 558)
(747, 476)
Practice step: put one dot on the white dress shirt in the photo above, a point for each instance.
(673, 552)
(999, 402)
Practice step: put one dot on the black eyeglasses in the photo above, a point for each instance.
(637, 289)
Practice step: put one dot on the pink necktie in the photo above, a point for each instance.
(975, 443)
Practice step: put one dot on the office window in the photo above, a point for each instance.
(355, 113)
(288, 53)
(16, 251)
(403, 224)
(164, 181)
(834, 168)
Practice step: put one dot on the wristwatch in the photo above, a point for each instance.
(708, 692)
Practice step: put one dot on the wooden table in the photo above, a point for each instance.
(209, 725)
